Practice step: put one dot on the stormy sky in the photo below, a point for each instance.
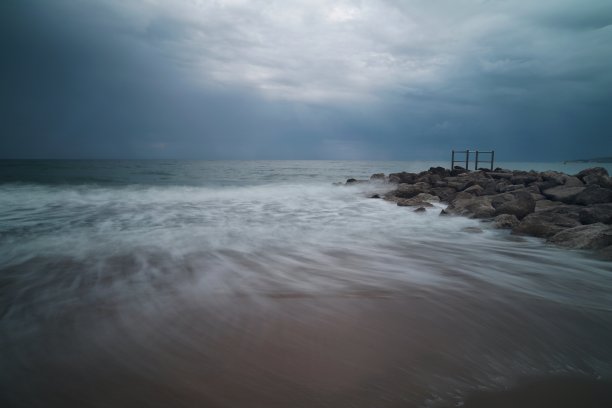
(305, 79)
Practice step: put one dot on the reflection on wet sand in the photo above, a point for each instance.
(408, 347)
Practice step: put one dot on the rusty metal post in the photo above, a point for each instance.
(453, 160)
(476, 165)
(492, 158)
(467, 158)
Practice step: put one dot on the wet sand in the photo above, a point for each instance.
(397, 348)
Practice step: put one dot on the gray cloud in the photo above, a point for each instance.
(305, 79)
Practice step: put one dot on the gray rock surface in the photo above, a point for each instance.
(596, 213)
(593, 236)
(547, 223)
(593, 194)
(505, 221)
(562, 193)
(518, 203)
(570, 211)
(598, 171)
(476, 207)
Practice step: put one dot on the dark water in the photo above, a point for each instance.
(258, 284)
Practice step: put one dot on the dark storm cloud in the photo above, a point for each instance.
(305, 79)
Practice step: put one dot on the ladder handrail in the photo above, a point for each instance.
(467, 158)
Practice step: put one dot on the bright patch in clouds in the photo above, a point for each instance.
(321, 51)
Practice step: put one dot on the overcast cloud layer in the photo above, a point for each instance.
(316, 79)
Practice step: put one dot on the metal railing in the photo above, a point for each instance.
(467, 152)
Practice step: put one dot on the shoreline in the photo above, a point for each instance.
(570, 211)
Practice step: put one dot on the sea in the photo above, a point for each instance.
(167, 283)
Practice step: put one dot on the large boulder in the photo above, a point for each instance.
(546, 204)
(524, 178)
(571, 181)
(428, 178)
(500, 174)
(410, 190)
(593, 236)
(474, 207)
(380, 177)
(593, 194)
(446, 194)
(440, 171)
(596, 213)
(420, 200)
(554, 178)
(475, 189)
(517, 203)
(597, 171)
(602, 181)
(402, 177)
(505, 221)
(354, 181)
(412, 202)
(548, 222)
(511, 187)
(562, 193)
(458, 183)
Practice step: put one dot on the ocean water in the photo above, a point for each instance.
(260, 284)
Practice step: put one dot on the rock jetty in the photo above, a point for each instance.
(569, 211)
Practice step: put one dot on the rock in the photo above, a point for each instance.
(440, 171)
(458, 183)
(458, 170)
(402, 177)
(413, 202)
(533, 189)
(593, 236)
(489, 187)
(519, 203)
(410, 190)
(596, 213)
(593, 194)
(475, 189)
(378, 177)
(420, 209)
(354, 181)
(545, 204)
(446, 194)
(500, 175)
(428, 197)
(545, 185)
(444, 213)
(548, 222)
(421, 199)
(601, 181)
(500, 186)
(511, 187)
(375, 196)
(571, 181)
(475, 207)
(562, 193)
(473, 230)
(428, 178)
(463, 195)
(503, 221)
(598, 171)
(524, 178)
(554, 178)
